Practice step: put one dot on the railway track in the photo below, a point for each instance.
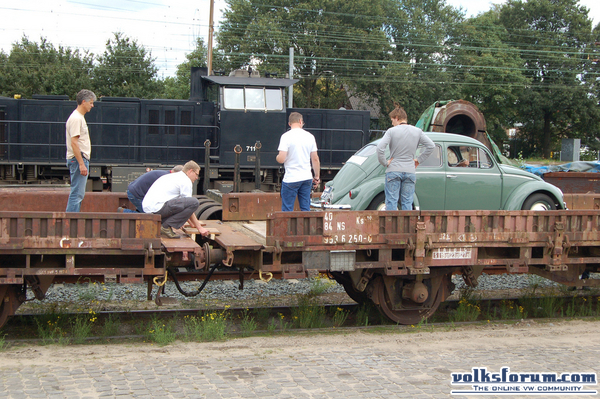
(493, 306)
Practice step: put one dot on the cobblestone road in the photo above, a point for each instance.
(364, 364)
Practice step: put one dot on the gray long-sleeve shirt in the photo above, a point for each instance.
(403, 141)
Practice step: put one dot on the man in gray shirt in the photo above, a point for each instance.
(400, 175)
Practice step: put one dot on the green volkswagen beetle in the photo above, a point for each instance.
(460, 174)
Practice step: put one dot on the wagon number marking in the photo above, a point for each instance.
(346, 230)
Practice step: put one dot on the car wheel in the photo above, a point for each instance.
(378, 203)
(539, 202)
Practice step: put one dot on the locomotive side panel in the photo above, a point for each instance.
(8, 111)
(41, 131)
(114, 131)
(339, 133)
(245, 129)
(173, 132)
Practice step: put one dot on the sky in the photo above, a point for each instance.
(167, 28)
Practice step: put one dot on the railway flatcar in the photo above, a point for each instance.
(133, 135)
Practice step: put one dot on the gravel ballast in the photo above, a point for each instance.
(221, 290)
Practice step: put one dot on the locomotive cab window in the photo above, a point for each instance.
(233, 98)
(253, 98)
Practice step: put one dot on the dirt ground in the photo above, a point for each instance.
(482, 337)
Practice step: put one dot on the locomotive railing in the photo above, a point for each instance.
(326, 155)
(56, 145)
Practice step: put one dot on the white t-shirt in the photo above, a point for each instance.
(76, 126)
(165, 188)
(299, 144)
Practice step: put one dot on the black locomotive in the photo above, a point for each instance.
(132, 135)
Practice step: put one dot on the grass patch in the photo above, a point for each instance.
(248, 324)
(206, 326)
(339, 317)
(320, 284)
(82, 327)
(308, 314)
(51, 329)
(3, 344)
(161, 332)
(110, 327)
(467, 310)
(362, 314)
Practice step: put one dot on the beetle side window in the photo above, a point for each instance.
(484, 160)
(468, 157)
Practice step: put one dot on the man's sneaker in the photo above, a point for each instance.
(168, 232)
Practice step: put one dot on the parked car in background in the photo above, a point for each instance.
(460, 174)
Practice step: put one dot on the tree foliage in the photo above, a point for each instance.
(487, 70)
(40, 68)
(179, 86)
(414, 73)
(552, 37)
(126, 69)
(333, 41)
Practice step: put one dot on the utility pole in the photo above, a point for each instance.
(291, 73)
(210, 38)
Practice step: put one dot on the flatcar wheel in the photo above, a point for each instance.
(8, 302)
(411, 312)
(346, 281)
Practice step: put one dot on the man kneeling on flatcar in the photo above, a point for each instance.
(170, 196)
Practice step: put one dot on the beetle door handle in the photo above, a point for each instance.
(451, 176)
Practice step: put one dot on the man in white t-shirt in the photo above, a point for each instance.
(297, 150)
(79, 148)
(170, 196)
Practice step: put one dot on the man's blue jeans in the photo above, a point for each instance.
(136, 202)
(289, 191)
(78, 183)
(399, 184)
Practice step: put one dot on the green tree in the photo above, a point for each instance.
(414, 72)
(126, 69)
(487, 70)
(40, 68)
(552, 37)
(178, 87)
(334, 41)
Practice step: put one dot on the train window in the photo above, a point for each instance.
(153, 119)
(274, 99)
(170, 121)
(252, 98)
(186, 119)
(255, 98)
(233, 98)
